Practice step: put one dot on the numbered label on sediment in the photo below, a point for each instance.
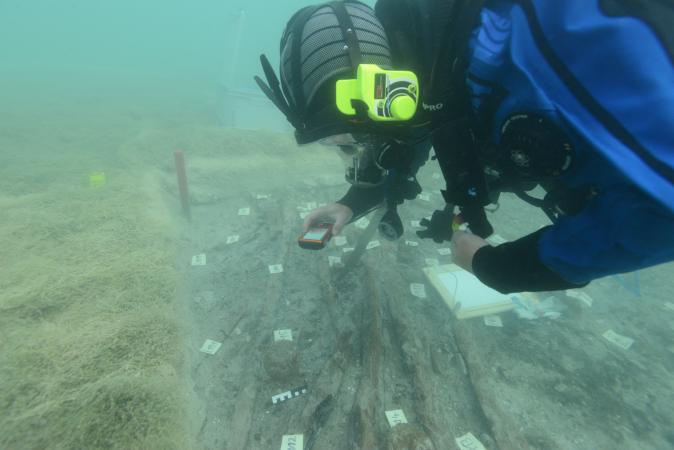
(334, 261)
(580, 295)
(373, 244)
(469, 442)
(418, 290)
(283, 335)
(496, 239)
(292, 442)
(276, 268)
(618, 339)
(493, 321)
(432, 262)
(396, 417)
(362, 223)
(210, 347)
(199, 260)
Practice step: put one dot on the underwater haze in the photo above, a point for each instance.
(188, 42)
(138, 315)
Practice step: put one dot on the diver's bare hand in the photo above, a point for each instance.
(464, 247)
(334, 213)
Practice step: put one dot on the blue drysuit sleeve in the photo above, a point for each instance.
(620, 230)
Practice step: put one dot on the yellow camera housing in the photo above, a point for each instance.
(390, 95)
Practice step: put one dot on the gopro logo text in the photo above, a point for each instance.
(436, 107)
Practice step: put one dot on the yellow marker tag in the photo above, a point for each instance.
(97, 179)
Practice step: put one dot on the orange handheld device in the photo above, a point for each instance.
(316, 237)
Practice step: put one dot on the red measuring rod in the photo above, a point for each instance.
(182, 182)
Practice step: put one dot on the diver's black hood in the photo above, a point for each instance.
(430, 37)
(321, 44)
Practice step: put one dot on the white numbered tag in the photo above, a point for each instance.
(334, 261)
(232, 239)
(348, 249)
(579, 295)
(412, 243)
(283, 335)
(372, 244)
(362, 223)
(619, 340)
(244, 211)
(493, 321)
(292, 442)
(469, 442)
(418, 290)
(276, 268)
(395, 417)
(425, 197)
(496, 239)
(444, 251)
(199, 260)
(210, 347)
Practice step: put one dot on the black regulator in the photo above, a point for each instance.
(533, 147)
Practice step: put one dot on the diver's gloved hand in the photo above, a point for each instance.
(477, 221)
(403, 188)
(439, 228)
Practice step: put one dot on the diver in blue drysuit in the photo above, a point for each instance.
(625, 221)
(629, 223)
(556, 93)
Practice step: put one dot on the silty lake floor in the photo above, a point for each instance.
(363, 344)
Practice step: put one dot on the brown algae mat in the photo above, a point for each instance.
(92, 334)
(91, 351)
